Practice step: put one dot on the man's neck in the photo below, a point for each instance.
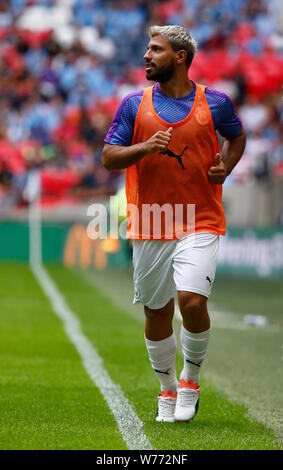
(176, 88)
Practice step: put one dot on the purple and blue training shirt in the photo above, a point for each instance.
(172, 110)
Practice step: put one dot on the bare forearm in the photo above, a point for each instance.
(117, 157)
(232, 151)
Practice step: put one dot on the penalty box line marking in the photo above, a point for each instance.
(128, 422)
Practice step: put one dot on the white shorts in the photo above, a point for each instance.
(161, 268)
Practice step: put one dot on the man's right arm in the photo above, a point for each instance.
(117, 157)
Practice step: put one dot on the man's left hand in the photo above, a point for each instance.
(217, 172)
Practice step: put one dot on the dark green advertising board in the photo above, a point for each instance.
(243, 252)
(63, 242)
(251, 253)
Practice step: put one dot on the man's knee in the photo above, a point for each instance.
(190, 302)
(167, 310)
(152, 314)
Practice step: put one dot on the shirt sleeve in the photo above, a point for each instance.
(224, 117)
(121, 130)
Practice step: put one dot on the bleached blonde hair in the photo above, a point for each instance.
(179, 38)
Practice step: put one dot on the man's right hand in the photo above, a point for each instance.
(117, 157)
(159, 141)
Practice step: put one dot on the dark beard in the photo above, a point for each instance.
(161, 74)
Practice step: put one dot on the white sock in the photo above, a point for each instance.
(194, 347)
(162, 357)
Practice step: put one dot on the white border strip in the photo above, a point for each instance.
(128, 422)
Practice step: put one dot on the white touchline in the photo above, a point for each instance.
(128, 422)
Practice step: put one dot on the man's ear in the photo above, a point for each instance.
(181, 56)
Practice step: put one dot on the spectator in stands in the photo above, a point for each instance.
(66, 63)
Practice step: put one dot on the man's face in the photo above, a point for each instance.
(159, 60)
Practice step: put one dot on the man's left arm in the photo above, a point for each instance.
(233, 149)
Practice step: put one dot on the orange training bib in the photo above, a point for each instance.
(173, 178)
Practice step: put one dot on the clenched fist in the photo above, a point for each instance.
(217, 172)
(159, 141)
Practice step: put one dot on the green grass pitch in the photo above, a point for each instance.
(47, 400)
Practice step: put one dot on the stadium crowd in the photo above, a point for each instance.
(66, 64)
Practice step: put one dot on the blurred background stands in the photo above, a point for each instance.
(66, 64)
